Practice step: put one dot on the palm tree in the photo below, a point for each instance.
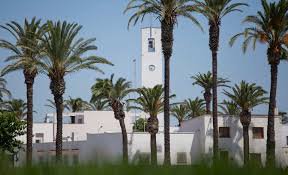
(151, 101)
(98, 104)
(76, 105)
(229, 108)
(115, 92)
(64, 54)
(180, 112)
(269, 27)
(195, 107)
(246, 96)
(3, 89)
(206, 82)
(25, 53)
(16, 106)
(215, 11)
(167, 12)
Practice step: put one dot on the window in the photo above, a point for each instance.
(286, 140)
(151, 45)
(37, 141)
(39, 137)
(258, 132)
(181, 158)
(255, 158)
(224, 132)
(72, 119)
(224, 155)
(80, 121)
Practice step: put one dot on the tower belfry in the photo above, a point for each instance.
(151, 57)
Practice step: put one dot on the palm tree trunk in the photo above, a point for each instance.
(246, 144)
(214, 33)
(245, 119)
(29, 80)
(124, 141)
(207, 97)
(167, 46)
(153, 146)
(59, 111)
(57, 87)
(270, 147)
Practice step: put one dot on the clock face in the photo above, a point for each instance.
(151, 67)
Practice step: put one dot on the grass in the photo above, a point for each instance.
(94, 169)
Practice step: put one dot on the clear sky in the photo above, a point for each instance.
(104, 19)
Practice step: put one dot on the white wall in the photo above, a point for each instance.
(94, 122)
(108, 146)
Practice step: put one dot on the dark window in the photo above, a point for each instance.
(224, 155)
(181, 158)
(39, 135)
(286, 140)
(72, 119)
(258, 132)
(151, 45)
(224, 132)
(37, 141)
(80, 121)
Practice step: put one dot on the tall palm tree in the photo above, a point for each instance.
(167, 12)
(206, 82)
(269, 27)
(116, 93)
(17, 106)
(76, 105)
(195, 107)
(229, 108)
(25, 53)
(151, 101)
(215, 11)
(246, 96)
(3, 89)
(64, 54)
(180, 112)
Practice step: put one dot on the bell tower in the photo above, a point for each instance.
(151, 57)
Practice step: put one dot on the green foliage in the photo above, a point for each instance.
(3, 89)
(65, 53)
(111, 90)
(151, 100)
(268, 26)
(247, 96)
(139, 125)
(205, 81)
(195, 107)
(76, 105)
(180, 112)
(167, 11)
(215, 10)
(16, 106)
(26, 50)
(229, 108)
(10, 128)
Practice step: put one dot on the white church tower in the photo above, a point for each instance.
(152, 63)
(151, 57)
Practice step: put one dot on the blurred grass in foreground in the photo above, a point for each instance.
(221, 168)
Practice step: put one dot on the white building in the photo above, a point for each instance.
(96, 135)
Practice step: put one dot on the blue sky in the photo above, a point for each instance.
(104, 19)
